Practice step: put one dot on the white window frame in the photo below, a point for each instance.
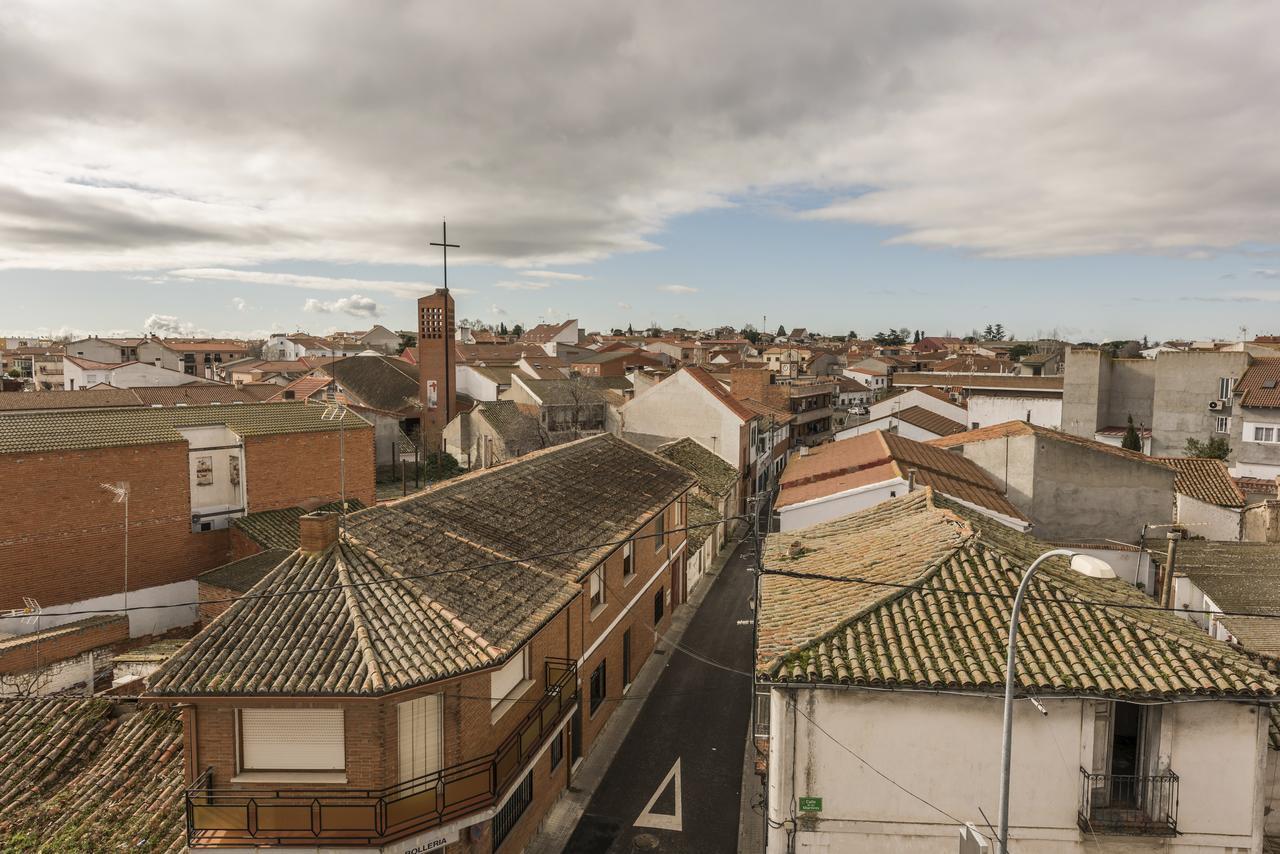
(287, 742)
(1261, 433)
(1222, 424)
(628, 559)
(1225, 387)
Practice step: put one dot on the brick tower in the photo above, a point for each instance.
(436, 378)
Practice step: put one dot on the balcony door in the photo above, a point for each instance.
(1126, 755)
(420, 731)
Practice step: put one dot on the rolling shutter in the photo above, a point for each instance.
(419, 737)
(292, 740)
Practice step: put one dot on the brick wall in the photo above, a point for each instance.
(39, 649)
(210, 604)
(66, 544)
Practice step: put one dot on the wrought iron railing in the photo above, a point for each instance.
(1139, 804)
(231, 816)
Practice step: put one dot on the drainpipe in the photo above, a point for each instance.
(1166, 594)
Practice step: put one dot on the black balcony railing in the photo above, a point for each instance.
(233, 816)
(1143, 805)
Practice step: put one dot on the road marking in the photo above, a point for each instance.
(663, 821)
(745, 622)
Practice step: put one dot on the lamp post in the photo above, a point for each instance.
(1085, 565)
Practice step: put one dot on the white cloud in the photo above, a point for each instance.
(551, 274)
(522, 286)
(293, 280)
(625, 306)
(354, 305)
(929, 118)
(239, 304)
(677, 289)
(1267, 274)
(497, 310)
(167, 324)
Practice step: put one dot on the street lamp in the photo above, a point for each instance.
(1085, 565)
(121, 492)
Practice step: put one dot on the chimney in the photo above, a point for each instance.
(911, 479)
(1171, 557)
(317, 531)
(795, 550)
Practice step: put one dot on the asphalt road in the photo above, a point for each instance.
(695, 715)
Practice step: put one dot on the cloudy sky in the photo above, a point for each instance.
(1101, 169)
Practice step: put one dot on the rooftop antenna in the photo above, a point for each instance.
(120, 491)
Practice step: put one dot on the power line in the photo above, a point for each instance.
(376, 582)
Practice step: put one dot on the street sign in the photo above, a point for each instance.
(811, 805)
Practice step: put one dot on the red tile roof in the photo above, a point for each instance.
(1205, 480)
(1260, 385)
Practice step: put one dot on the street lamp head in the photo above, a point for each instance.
(1094, 567)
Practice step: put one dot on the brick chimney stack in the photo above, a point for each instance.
(317, 531)
(437, 379)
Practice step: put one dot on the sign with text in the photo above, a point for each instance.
(811, 805)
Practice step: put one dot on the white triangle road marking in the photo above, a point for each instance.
(663, 821)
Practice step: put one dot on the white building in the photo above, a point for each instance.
(80, 373)
(913, 422)
(881, 705)
(283, 346)
(876, 381)
(692, 403)
(932, 399)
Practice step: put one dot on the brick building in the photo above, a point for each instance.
(436, 670)
(190, 471)
(437, 384)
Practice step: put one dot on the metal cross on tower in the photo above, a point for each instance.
(445, 246)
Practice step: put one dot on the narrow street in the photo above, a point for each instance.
(678, 774)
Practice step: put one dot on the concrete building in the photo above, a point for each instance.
(190, 471)
(1255, 431)
(1131, 746)
(995, 398)
(1178, 395)
(1073, 489)
(925, 397)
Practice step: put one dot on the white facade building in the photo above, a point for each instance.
(78, 373)
(990, 408)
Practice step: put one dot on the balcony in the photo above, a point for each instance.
(1128, 804)
(235, 817)
(809, 415)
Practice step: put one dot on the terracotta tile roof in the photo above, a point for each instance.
(1023, 428)
(290, 366)
(926, 419)
(977, 381)
(877, 457)
(35, 401)
(278, 529)
(380, 615)
(240, 575)
(711, 384)
(303, 388)
(933, 392)
(90, 364)
(779, 416)
(715, 476)
(1256, 485)
(702, 518)
(1205, 480)
(1260, 385)
(141, 425)
(544, 332)
(384, 383)
(195, 394)
(202, 345)
(522, 433)
(937, 638)
(75, 776)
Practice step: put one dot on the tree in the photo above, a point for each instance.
(892, 338)
(988, 333)
(749, 332)
(407, 339)
(1215, 448)
(440, 466)
(517, 330)
(997, 332)
(502, 329)
(853, 336)
(1145, 345)
(630, 331)
(782, 331)
(1018, 351)
(1132, 441)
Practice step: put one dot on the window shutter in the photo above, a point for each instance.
(292, 740)
(420, 737)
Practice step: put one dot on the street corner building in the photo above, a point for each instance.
(880, 672)
(189, 473)
(428, 677)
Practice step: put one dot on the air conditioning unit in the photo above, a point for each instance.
(1215, 405)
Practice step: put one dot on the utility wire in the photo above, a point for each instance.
(375, 582)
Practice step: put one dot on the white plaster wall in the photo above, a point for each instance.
(915, 397)
(946, 749)
(475, 384)
(985, 410)
(841, 504)
(1208, 520)
(891, 424)
(679, 406)
(141, 375)
(175, 606)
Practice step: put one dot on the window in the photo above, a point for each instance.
(626, 659)
(1222, 424)
(659, 605)
(761, 722)
(292, 740)
(1224, 388)
(595, 587)
(679, 512)
(598, 686)
(628, 562)
(508, 680)
(509, 813)
(419, 731)
(1264, 434)
(557, 750)
(660, 531)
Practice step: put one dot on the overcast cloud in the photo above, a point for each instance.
(205, 136)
